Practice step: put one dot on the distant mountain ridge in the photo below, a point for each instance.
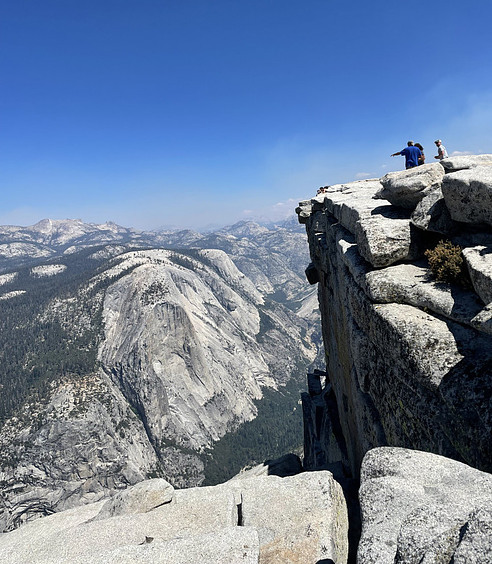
(50, 237)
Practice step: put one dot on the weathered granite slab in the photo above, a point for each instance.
(461, 162)
(407, 188)
(385, 238)
(299, 519)
(476, 544)
(140, 498)
(479, 262)
(196, 511)
(412, 284)
(431, 214)
(355, 202)
(382, 232)
(422, 507)
(233, 545)
(468, 195)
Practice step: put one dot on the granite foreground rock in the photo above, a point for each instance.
(416, 507)
(421, 507)
(409, 360)
(299, 519)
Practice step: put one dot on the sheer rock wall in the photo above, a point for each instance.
(408, 359)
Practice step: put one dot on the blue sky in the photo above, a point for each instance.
(188, 113)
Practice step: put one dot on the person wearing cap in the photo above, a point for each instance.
(441, 150)
(411, 154)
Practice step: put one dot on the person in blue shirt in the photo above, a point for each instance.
(411, 154)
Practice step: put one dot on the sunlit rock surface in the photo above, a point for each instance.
(299, 519)
(421, 507)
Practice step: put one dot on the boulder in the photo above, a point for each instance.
(461, 162)
(303, 211)
(385, 238)
(300, 519)
(422, 507)
(431, 214)
(468, 195)
(479, 263)
(407, 188)
(141, 498)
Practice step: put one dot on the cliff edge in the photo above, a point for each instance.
(408, 358)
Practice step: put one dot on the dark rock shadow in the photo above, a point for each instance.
(287, 465)
(392, 212)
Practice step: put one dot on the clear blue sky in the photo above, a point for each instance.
(195, 112)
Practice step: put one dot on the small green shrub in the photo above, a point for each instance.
(447, 264)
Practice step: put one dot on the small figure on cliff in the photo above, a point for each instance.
(441, 150)
(422, 156)
(411, 154)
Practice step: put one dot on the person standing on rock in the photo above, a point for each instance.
(411, 154)
(441, 150)
(422, 156)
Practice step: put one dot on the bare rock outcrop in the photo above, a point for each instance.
(300, 519)
(82, 444)
(461, 162)
(409, 359)
(421, 507)
(468, 195)
(479, 262)
(407, 188)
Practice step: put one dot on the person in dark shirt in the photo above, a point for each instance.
(422, 156)
(411, 154)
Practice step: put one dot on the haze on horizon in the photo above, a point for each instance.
(193, 113)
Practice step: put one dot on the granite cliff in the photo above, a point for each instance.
(409, 359)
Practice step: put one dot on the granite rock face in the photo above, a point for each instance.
(431, 214)
(421, 507)
(300, 519)
(83, 443)
(407, 188)
(140, 498)
(468, 195)
(461, 162)
(409, 360)
(479, 261)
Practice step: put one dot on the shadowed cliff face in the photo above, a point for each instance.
(129, 365)
(409, 359)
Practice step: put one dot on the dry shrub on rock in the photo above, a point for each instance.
(447, 264)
